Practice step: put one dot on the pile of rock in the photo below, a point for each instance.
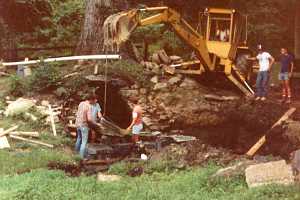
(159, 60)
(172, 101)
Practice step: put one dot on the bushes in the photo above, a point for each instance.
(45, 77)
(16, 86)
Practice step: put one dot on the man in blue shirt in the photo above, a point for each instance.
(286, 71)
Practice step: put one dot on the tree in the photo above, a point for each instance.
(297, 31)
(23, 16)
(91, 39)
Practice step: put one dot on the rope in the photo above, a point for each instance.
(105, 85)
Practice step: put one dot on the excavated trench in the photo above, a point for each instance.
(242, 130)
(243, 127)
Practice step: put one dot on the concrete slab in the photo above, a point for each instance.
(277, 172)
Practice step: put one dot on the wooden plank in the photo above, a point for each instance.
(263, 139)
(68, 58)
(31, 141)
(8, 130)
(24, 133)
(52, 120)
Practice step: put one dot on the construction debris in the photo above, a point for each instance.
(277, 172)
(19, 106)
(31, 141)
(6, 132)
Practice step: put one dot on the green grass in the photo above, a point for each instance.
(191, 184)
(24, 158)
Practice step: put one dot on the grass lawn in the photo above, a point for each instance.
(190, 184)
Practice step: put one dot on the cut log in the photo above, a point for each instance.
(31, 141)
(23, 133)
(8, 131)
(263, 139)
(52, 120)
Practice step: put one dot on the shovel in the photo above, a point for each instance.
(115, 127)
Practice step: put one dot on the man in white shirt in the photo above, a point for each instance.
(265, 63)
(223, 35)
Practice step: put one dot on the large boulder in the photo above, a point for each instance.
(277, 172)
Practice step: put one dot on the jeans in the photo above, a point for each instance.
(82, 139)
(262, 83)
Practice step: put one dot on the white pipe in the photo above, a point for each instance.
(69, 58)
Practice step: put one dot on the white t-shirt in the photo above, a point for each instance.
(264, 61)
(223, 35)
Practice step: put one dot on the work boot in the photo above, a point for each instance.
(263, 99)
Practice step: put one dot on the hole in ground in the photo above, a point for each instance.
(240, 140)
(117, 109)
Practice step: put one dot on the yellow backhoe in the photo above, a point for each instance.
(220, 46)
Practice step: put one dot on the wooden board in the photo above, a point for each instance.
(263, 139)
(3, 133)
(31, 141)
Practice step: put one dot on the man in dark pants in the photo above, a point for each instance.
(286, 71)
(83, 119)
(265, 63)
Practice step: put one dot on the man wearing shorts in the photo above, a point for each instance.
(286, 71)
(137, 122)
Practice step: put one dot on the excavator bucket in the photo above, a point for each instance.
(117, 29)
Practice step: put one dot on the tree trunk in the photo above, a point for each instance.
(297, 31)
(91, 40)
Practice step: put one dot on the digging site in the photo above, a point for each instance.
(195, 109)
(187, 118)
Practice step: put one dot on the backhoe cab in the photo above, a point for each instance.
(220, 44)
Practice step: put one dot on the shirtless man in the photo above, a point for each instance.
(137, 123)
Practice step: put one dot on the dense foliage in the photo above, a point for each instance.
(58, 22)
